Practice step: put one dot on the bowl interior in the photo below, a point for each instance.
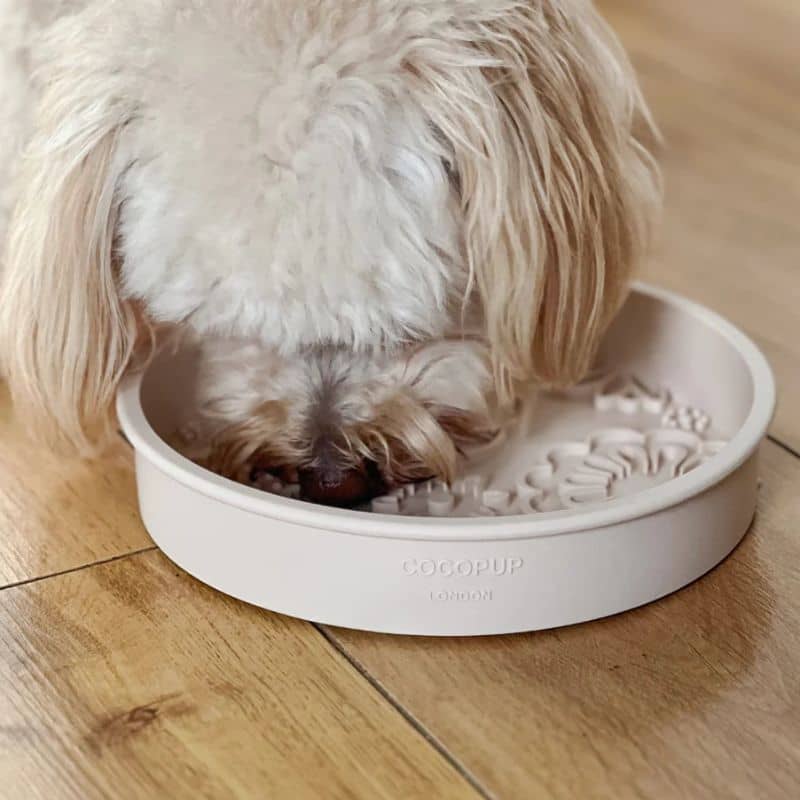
(671, 387)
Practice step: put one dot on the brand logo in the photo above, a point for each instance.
(462, 568)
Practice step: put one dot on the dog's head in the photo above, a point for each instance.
(362, 178)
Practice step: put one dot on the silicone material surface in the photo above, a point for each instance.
(597, 500)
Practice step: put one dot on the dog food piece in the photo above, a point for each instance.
(341, 487)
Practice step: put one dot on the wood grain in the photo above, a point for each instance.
(697, 695)
(723, 80)
(132, 680)
(58, 514)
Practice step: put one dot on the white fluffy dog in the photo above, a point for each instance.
(382, 217)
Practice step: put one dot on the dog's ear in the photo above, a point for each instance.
(547, 129)
(66, 336)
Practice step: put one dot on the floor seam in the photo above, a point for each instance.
(78, 568)
(418, 727)
(788, 448)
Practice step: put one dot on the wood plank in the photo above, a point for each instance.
(132, 680)
(697, 695)
(723, 80)
(58, 514)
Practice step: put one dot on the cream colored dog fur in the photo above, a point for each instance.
(382, 217)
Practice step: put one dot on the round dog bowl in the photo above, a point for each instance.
(598, 500)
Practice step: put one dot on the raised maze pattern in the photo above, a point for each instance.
(612, 461)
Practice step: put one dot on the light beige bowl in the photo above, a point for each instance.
(601, 499)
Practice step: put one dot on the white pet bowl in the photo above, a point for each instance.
(603, 498)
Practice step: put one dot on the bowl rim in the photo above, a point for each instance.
(738, 449)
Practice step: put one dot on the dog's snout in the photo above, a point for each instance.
(336, 485)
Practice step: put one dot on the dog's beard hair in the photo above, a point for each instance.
(398, 411)
(264, 439)
(411, 440)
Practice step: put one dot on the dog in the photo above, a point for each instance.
(384, 219)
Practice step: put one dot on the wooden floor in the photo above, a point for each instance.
(122, 677)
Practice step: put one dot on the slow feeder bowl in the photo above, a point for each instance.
(600, 499)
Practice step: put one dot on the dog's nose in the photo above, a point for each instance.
(341, 486)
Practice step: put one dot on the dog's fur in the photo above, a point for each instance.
(382, 216)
